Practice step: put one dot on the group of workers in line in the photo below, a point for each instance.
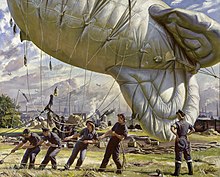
(88, 135)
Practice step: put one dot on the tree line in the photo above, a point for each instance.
(9, 117)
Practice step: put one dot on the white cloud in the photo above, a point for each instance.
(209, 7)
(3, 5)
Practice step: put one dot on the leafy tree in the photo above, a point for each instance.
(9, 117)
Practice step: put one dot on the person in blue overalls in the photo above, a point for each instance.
(87, 136)
(181, 129)
(54, 143)
(118, 132)
(31, 150)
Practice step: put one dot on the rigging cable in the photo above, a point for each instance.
(25, 19)
(218, 113)
(111, 102)
(86, 66)
(119, 25)
(111, 85)
(208, 73)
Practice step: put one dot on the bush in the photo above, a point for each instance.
(9, 121)
(9, 117)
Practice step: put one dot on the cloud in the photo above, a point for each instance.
(11, 52)
(2, 14)
(19, 82)
(57, 67)
(3, 5)
(13, 65)
(209, 7)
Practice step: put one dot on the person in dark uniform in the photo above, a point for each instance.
(54, 143)
(69, 130)
(31, 150)
(118, 132)
(50, 104)
(88, 136)
(62, 128)
(181, 129)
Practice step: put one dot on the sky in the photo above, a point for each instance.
(15, 78)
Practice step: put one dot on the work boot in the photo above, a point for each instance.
(16, 167)
(66, 167)
(190, 168)
(78, 164)
(77, 168)
(177, 169)
(41, 167)
(54, 167)
(102, 168)
(22, 167)
(31, 167)
(119, 171)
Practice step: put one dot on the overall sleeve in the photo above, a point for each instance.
(24, 140)
(56, 139)
(35, 141)
(44, 138)
(114, 127)
(174, 125)
(125, 132)
(95, 136)
(190, 126)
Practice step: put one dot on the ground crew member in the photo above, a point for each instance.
(181, 129)
(62, 128)
(118, 132)
(88, 136)
(54, 143)
(31, 150)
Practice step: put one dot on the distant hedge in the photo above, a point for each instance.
(9, 117)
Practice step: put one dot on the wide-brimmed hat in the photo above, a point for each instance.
(91, 123)
(26, 131)
(122, 116)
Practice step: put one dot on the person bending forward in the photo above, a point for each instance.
(88, 136)
(54, 143)
(31, 150)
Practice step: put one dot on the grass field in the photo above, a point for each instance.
(206, 163)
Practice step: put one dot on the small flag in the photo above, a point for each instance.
(50, 65)
(25, 96)
(11, 22)
(50, 101)
(25, 60)
(55, 91)
(15, 29)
